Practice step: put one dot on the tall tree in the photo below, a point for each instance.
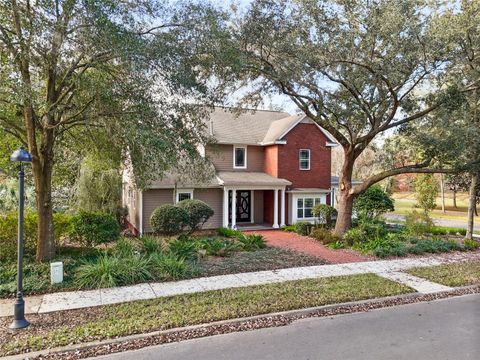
(357, 68)
(121, 68)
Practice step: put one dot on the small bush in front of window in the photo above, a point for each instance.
(198, 213)
(302, 227)
(168, 219)
(325, 214)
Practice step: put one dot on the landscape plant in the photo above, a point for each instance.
(198, 213)
(426, 192)
(325, 214)
(168, 219)
(373, 203)
(94, 228)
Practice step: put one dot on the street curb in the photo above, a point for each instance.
(294, 314)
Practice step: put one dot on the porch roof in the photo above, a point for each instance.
(241, 178)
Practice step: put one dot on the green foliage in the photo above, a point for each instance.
(325, 214)
(252, 242)
(227, 232)
(168, 266)
(100, 273)
(418, 223)
(289, 228)
(168, 219)
(372, 203)
(9, 196)
(471, 244)
(434, 246)
(302, 227)
(198, 213)
(323, 235)
(8, 232)
(98, 187)
(124, 247)
(150, 244)
(183, 249)
(442, 230)
(93, 228)
(426, 191)
(337, 245)
(217, 246)
(355, 235)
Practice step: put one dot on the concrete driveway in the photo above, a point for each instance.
(444, 329)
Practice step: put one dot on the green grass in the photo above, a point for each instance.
(183, 310)
(458, 274)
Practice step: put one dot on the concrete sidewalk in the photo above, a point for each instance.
(391, 269)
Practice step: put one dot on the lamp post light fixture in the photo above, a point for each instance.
(19, 322)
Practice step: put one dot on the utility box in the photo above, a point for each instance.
(56, 272)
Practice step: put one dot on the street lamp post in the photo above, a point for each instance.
(19, 322)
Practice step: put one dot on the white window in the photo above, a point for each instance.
(304, 159)
(184, 195)
(239, 157)
(305, 206)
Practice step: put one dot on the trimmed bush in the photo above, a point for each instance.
(302, 227)
(198, 213)
(94, 228)
(324, 236)
(372, 203)
(168, 219)
(325, 214)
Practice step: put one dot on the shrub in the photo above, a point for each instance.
(355, 235)
(434, 246)
(337, 245)
(324, 236)
(426, 191)
(93, 228)
(124, 248)
(132, 270)
(183, 249)
(98, 273)
(418, 223)
(372, 203)
(400, 251)
(8, 232)
(227, 232)
(302, 227)
(168, 219)
(252, 242)
(217, 247)
(289, 228)
(168, 266)
(150, 244)
(325, 214)
(198, 213)
(373, 228)
(471, 244)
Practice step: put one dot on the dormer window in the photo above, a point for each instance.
(304, 159)
(239, 157)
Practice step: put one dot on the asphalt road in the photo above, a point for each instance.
(440, 222)
(444, 329)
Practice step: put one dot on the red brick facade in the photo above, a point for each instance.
(305, 136)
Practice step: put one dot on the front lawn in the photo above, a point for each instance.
(131, 261)
(77, 326)
(457, 274)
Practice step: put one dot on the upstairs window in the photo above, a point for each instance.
(304, 159)
(184, 195)
(240, 157)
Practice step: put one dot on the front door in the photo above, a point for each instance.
(243, 206)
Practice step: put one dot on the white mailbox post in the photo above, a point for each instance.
(56, 272)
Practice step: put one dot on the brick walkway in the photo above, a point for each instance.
(309, 246)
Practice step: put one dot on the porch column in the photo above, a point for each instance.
(234, 208)
(225, 207)
(282, 207)
(275, 209)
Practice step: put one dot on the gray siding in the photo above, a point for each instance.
(152, 199)
(214, 198)
(258, 206)
(222, 157)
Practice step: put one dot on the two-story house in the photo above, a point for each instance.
(271, 168)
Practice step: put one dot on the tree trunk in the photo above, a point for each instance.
(455, 199)
(442, 190)
(345, 195)
(471, 206)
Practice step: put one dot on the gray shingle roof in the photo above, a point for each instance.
(250, 179)
(249, 127)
